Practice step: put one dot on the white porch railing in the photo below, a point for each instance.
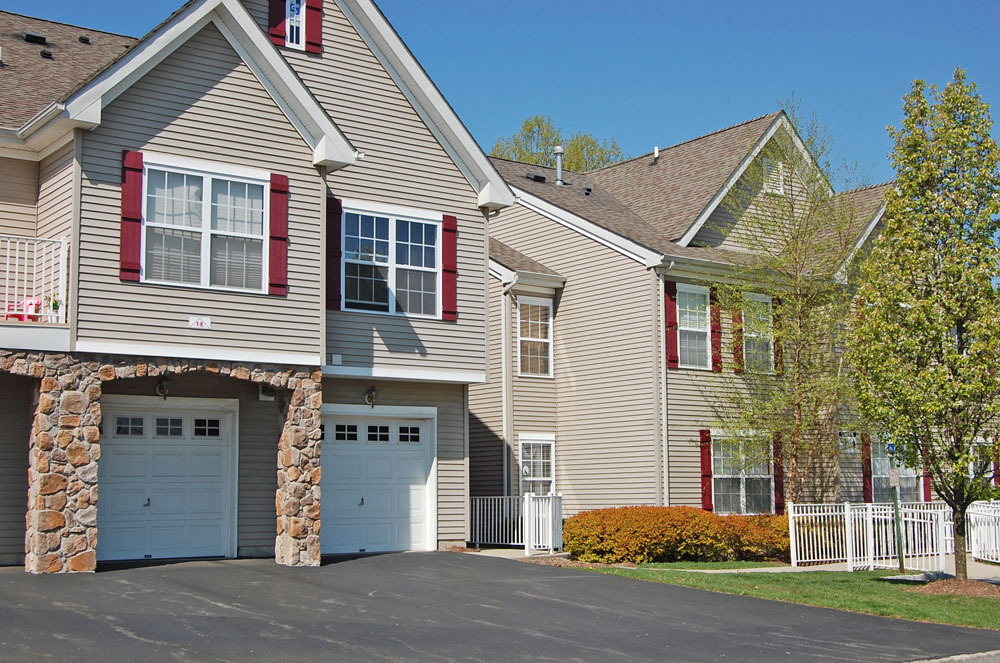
(982, 524)
(864, 535)
(33, 280)
(532, 521)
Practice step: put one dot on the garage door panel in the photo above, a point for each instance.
(208, 501)
(379, 502)
(168, 502)
(126, 461)
(132, 541)
(379, 534)
(206, 537)
(412, 468)
(205, 463)
(123, 500)
(342, 465)
(347, 535)
(168, 463)
(378, 467)
(169, 540)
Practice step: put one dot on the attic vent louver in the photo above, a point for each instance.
(534, 177)
(34, 38)
(587, 191)
(46, 54)
(84, 39)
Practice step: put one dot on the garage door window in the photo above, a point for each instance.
(169, 427)
(378, 433)
(129, 426)
(409, 434)
(207, 428)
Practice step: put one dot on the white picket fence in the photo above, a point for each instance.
(532, 521)
(864, 535)
(33, 279)
(983, 528)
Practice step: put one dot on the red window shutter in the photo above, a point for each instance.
(449, 266)
(276, 22)
(314, 26)
(130, 241)
(779, 477)
(779, 356)
(706, 469)
(867, 490)
(278, 246)
(716, 329)
(738, 364)
(670, 315)
(996, 473)
(334, 252)
(927, 486)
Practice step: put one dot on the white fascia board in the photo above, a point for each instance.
(198, 352)
(865, 235)
(395, 411)
(27, 336)
(429, 103)
(500, 272)
(525, 278)
(330, 147)
(626, 247)
(407, 374)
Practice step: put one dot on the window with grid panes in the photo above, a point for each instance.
(534, 336)
(882, 462)
(295, 24)
(693, 326)
(758, 333)
(537, 467)
(742, 481)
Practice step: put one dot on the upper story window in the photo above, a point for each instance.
(742, 480)
(204, 225)
(693, 326)
(534, 336)
(392, 263)
(774, 176)
(758, 333)
(295, 24)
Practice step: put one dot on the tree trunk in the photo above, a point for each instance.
(961, 562)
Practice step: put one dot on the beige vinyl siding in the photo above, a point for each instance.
(16, 413)
(18, 195)
(260, 424)
(486, 441)
(201, 102)
(403, 165)
(55, 194)
(449, 399)
(606, 420)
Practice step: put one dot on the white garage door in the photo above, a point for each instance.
(166, 483)
(375, 485)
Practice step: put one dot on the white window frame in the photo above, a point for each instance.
(394, 213)
(750, 334)
(768, 185)
(707, 330)
(742, 476)
(533, 301)
(301, 43)
(541, 439)
(878, 444)
(207, 171)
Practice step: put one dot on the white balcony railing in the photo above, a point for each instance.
(33, 281)
(532, 521)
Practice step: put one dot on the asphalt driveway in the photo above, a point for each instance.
(429, 607)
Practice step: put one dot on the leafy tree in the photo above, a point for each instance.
(925, 344)
(791, 238)
(537, 136)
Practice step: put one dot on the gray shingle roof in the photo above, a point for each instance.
(515, 260)
(29, 82)
(671, 192)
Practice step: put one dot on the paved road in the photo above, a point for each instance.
(429, 607)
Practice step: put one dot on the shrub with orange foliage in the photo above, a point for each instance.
(667, 534)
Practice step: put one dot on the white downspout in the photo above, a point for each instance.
(665, 426)
(505, 379)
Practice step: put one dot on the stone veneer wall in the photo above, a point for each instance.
(61, 521)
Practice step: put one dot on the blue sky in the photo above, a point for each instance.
(655, 73)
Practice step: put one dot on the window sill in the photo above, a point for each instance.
(387, 314)
(205, 288)
(536, 376)
(695, 368)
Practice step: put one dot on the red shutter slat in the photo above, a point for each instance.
(779, 357)
(314, 26)
(334, 252)
(738, 364)
(927, 486)
(779, 477)
(276, 22)
(866, 468)
(706, 469)
(130, 240)
(278, 244)
(716, 329)
(449, 266)
(670, 315)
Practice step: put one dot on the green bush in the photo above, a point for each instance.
(642, 534)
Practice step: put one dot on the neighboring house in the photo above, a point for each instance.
(608, 338)
(244, 284)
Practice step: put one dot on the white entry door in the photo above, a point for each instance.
(166, 482)
(375, 485)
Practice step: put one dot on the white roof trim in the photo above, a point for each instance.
(778, 123)
(869, 229)
(498, 271)
(428, 102)
(330, 147)
(524, 277)
(626, 247)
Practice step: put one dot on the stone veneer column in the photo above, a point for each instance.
(61, 521)
(297, 500)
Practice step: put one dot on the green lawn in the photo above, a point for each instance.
(709, 565)
(857, 592)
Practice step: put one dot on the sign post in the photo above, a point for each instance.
(894, 483)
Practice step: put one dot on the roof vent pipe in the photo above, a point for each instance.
(656, 153)
(558, 151)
